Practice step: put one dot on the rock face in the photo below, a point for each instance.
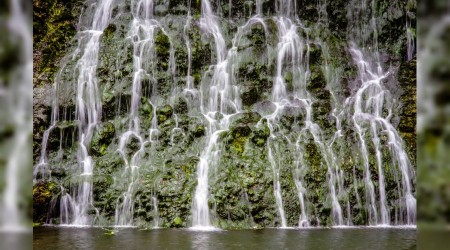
(281, 158)
(407, 124)
(42, 196)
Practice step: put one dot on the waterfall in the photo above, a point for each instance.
(142, 32)
(410, 32)
(189, 80)
(371, 102)
(292, 46)
(214, 100)
(311, 110)
(88, 113)
(220, 102)
(16, 101)
(277, 188)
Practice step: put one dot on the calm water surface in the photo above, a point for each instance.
(128, 238)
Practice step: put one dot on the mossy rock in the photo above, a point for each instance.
(66, 129)
(109, 163)
(249, 94)
(407, 124)
(103, 136)
(176, 186)
(162, 48)
(42, 195)
(146, 112)
(146, 109)
(317, 80)
(265, 108)
(290, 114)
(315, 55)
(109, 31)
(163, 113)
(245, 118)
(237, 145)
(260, 135)
(199, 130)
(177, 222)
(256, 75)
(240, 131)
(181, 106)
(54, 25)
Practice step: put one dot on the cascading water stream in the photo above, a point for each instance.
(295, 48)
(142, 36)
(88, 113)
(289, 45)
(277, 186)
(329, 160)
(189, 80)
(217, 101)
(16, 101)
(372, 112)
(301, 192)
(410, 32)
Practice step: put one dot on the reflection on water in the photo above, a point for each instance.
(202, 241)
(433, 238)
(15, 240)
(98, 238)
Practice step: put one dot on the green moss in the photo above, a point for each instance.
(407, 125)
(197, 78)
(249, 94)
(238, 145)
(245, 118)
(317, 80)
(181, 106)
(315, 55)
(256, 77)
(175, 186)
(201, 52)
(103, 136)
(109, 31)
(288, 81)
(54, 23)
(42, 195)
(237, 137)
(199, 130)
(260, 135)
(163, 113)
(146, 111)
(162, 48)
(162, 43)
(321, 113)
(177, 222)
